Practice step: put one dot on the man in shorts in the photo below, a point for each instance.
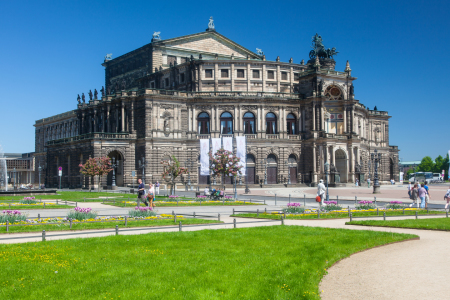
(141, 193)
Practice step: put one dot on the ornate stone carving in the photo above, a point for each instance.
(203, 107)
(249, 107)
(166, 106)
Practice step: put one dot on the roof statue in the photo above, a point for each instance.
(79, 99)
(259, 52)
(108, 56)
(319, 49)
(211, 25)
(156, 36)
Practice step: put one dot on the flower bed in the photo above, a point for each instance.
(173, 196)
(79, 213)
(24, 204)
(28, 200)
(294, 207)
(331, 206)
(142, 212)
(365, 205)
(12, 216)
(395, 205)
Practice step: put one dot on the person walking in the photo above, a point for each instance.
(151, 195)
(141, 192)
(357, 182)
(422, 194)
(447, 197)
(157, 187)
(321, 191)
(427, 196)
(409, 190)
(414, 195)
(368, 182)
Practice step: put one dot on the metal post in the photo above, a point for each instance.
(384, 216)
(257, 212)
(39, 217)
(194, 214)
(275, 199)
(337, 200)
(70, 223)
(318, 213)
(349, 211)
(378, 213)
(76, 204)
(218, 217)
(126, 221)
(416, 215)
(375, 200)
(234, 223)
(85, 198)
(233, 211)
(289, 198)
(446, 214)
(44, 204)
(351, 217)
(43, 235)
(355, 199)
(117, 229)
(180, 227)
(282, 220)
(7, 225)
(304, 200)
(403, 210)
(175, 218)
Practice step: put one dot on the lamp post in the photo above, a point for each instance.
(40, 169)
(327, 166)
(142, 165)
(14, 170)
(376, 157)
(113, 165)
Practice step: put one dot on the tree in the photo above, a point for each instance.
(172, 170)
(439, 164)
(426, 165)
(224, 162)
(96, 166)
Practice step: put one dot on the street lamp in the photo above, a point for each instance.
(327, 166)
(142, 165)
(40, 169)
(376, 157)
(114, 165)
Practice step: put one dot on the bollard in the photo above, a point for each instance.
(76, 204)
(223, 202)
(427, 210)
(70, 223)
(282, 220)
(384, 216)
(200, 201)
(349, 211)
(7, 225)
(275, 199)
(378, 213)
(337, 200)
(265, 210)
(375, 200)
(233, 211)
(234, 223)
(403, 210)
(177, 202)
(126, 221)
(43, 235)
(416, 215)
(117, 229)
(356, 199)
(257, 212)
(44, 204)
(218, 217)
(175, 218)
(39, 217)
(40, 200)
(318, 213)
(194, 214)
(289, 198)
(173, 213)
(285, 215)
(351, 217)
(264, 201)
(114, 201)
(304, 200)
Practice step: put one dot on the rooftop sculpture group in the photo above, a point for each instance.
(319, 49)
(91, 95)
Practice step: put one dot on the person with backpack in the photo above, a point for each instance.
(414, 195)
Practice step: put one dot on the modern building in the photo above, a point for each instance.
(20, 168)
(162, 98)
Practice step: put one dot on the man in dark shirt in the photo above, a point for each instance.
(141, 192)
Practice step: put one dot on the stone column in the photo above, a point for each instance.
(235, 121)
(232, 77)
(313, 117)
(132, 117)
(314, 179)
(345, 119)
(122, 112)
(248, 77)
(194, 118)
(216, 77)
(263, 76)
(116, 115)
(157, 120)
(278, 78)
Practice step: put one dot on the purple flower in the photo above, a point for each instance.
(365, 202)
(330, 202)
(396, 202)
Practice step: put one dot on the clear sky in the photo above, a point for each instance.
(52, 50)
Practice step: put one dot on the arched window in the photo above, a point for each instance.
(291, 124)
(271, 123)
(203, 123)
(249, 123)
(226, 123)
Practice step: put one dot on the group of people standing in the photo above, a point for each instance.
(418, 191)
(148, 196)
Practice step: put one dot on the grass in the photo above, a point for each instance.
(431, 224)
(337, 214)
(159, 203)
(105, 225)
(74, 196)
(277, 262)
(24, 206)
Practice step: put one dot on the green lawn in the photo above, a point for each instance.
(182, 203)
(104, 225)
(433, 224)
(336, 215)
(74, 196)
(277, 262)
(34, 207)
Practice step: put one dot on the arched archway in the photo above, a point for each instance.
(292, 162)
(272, 169)
(250, 169)
(118, 160)
(341, 166)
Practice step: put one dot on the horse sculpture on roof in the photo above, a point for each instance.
(319, 49)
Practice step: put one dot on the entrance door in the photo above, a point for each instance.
(271, 175)
(202, 179)
(341, 165)
(251, 175)
(293, 173)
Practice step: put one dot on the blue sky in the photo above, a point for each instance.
(52, 50)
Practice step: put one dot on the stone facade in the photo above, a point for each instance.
(165, 96)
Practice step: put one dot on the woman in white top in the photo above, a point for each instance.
(151, 194)
(447, 197)
(321, 191)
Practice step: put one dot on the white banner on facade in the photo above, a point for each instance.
(228, 143)
(216, 145)
(241, 152)
(204, 157)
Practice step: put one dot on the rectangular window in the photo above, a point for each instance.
(224, 73)
(166, 83)
(240, 73)
(284, 76)
(270, 75)
(208, 73)
(255, 73)
(171, 59)
(182, 77)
